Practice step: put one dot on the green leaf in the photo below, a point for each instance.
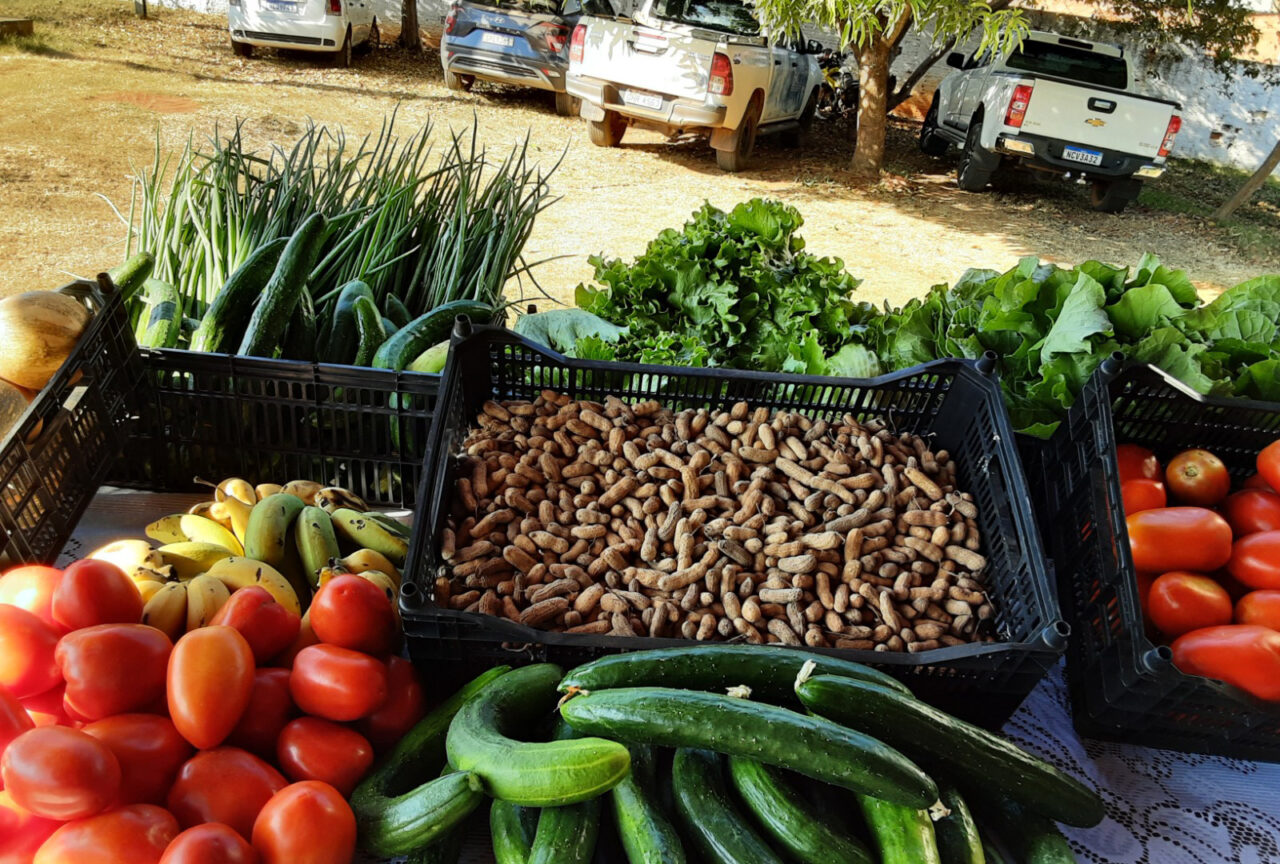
(1169, 349)
(1260, 381)
(1143, 309)
(853, 361)
(1081, 317)
(561, 329)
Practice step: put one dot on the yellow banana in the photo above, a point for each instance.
(205, 596)
(239, 572)
(201, 508)
(166, 610)
(268, 530)
(385, 582)
(148, 589)
(304, 489)
(237, 513)
(167, 530)
(184, 528)
(129, 555)
(190, 559)
(145, 574)
(363, 560)
(317, 544)
(327, 573)
(234, 487)
(264, 490)
(362, 531)
(330, 498)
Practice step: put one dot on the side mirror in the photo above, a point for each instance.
(955, 60)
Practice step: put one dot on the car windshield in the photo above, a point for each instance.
(729, 16)
(544, 7)
(1062, 61)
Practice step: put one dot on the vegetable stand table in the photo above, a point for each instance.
(1162, 807)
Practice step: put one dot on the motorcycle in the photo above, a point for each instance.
(838, 92)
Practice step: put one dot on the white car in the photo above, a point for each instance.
(328, 26)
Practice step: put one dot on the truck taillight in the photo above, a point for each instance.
(721, 82)
(1018, 106)
(451, 20)
(1175, 123)
(556, 36)
(576, 43)
(335, 7)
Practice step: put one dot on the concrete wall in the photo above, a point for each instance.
(430, 12)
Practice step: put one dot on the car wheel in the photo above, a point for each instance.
(461, 83)
(743, 142)
(342, 57)
(1112, 196)
(374, 39)
(566, 105)
(795, 137)
(609, 131)
(241, 49)
(931, 143)
(971, 174)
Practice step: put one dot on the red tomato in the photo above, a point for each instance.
(337, 683)
(1197, 477)
(406, 704)
(1257, 481)
(32, 588)
(46, 709)
(1245, 655)
(305, 639)
(306, 823)
(315, 749)
(1179, 538)
(1142, 494)
(1180, 602)
(113, 668)
(60, 773)
(1255, 560)
(1136, 463)
(225, 785)
(14, 720)
(270, 708)
(268, 627)
(150, 752)
(209, 684)
(1251, 511)
(21, 832)
(210, 843)
(1269, 465)
(27, 645)
(137, 834)
(351, 612)
(95, 592)
(1259, 607)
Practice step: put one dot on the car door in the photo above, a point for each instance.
(975, 87)
(785, 94)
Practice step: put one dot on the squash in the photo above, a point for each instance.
(38, 330)
(13, 401)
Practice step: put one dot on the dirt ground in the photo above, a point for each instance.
(83, 102)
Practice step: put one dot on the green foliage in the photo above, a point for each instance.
(1223, 28)
(573, 332)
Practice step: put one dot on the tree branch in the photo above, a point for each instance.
(903, 93)
(1245, 192)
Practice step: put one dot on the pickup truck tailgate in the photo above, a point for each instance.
(663, 61)
(1104, 119)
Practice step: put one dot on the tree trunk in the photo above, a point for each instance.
(903, 93)
(410, 38)
(1245, 192)
(873, 82)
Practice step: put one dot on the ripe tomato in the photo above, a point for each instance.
(1179, 538)
(268, 627)
(113, 668)
(137, 834)
(406, 704)
(1245, 655)
(60, 773)
(209, 683)
(226, 785)
(337, 683)
(27, 645)
(306, 822)
(14, 720)
(1257, 481)
(270, 708)
(21, 832)
(95, 592)
(306, 638)
(210, 843)
(315, 749)
(351, 612)
(1257, 607)
(46, 709)
(1142, 494)
(1136, 462)
(1252, 510)
(1255, 560)
(1197, 477)
(1180, 602)
(1269, 465)
(150, 752)
(32, 588)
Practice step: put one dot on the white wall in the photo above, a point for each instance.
(430, 12)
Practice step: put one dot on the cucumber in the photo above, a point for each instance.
(994, 855)
(344, 338)
(647, 835)
(421, 816)
(431, 360)
(1031, 837)
(372, 332)
(280, 297)
(446, 849)
(388, 326)
(770, 672)
(807, 745)
(788, 818)
(129, 276)
(708, 815)
(396, 310)
(224, 321)
(426, 330)
(956, 833)
(511, 833)
(163, 321)
(534, 774)
(961, 748)
(568, 834)
(903, 835)
(300, 335)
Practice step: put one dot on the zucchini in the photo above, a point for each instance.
(163, 321)
(130, 275)
(710, 819)
(770, 672)
(811, 746)
(431, 360)
(904, 835)
(568, 834)
(647, 835)
(396, 310)
(280, 297)
(961, 748)
(1032, 838)
(534, 774)
(343, 337)
(300, 335)
(426, 330)
(788, 818)
(511, 832)
(371, 330)
(956, 833)
(224, 321)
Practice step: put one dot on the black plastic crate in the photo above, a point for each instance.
(57, 454)
(957, 403)
(1123, 686)
(217, 416)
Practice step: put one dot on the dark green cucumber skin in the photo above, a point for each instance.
(903, 835)
(164, 316)
(372, 333)
(812, 746)
(300, 335)
(396, 311)
(129, 275)
(224, 321)
(994, 855)
(788, 818)
(769, 671)
(960, 748)
(446, 849)
(1031, 837)
(512, 841)
(420, 817)
(709, 816)
(426, 330)
(280, 297)
(567, 835)
(533, 774)
(957, 833)
(647, 835)
(343, 337)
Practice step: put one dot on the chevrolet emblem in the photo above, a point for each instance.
(1096, 122)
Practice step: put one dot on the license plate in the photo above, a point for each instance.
(1079, 154)
(642, 100)
(281, 5)
(497, 39)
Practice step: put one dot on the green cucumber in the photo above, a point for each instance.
(568, 834)
(789, 820)
(958, 747)
(534, 774)
(388, 326)
(224, 321)
(300, 335)
(647, 835)
(280, 297)
(371, 331)
(163, 321)
(421, 816)
(511, 832)
(994, 855)
(445, 849)
(709, 816)
(1032, 838)
(396, 310)
(343, 337)
(903, 835)
(770, 671)
(956, 833)
(426, 330)
(811, 746)
(431, 360)
(129, 276)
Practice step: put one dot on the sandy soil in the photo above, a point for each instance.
(78, 116)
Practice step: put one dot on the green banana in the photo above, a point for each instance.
(393, 525)
(317, 543)
(369, 533)
(266, 537)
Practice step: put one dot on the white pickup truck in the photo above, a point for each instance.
(685, 65)
(1058, 105)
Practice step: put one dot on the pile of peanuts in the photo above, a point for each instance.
(632, 520)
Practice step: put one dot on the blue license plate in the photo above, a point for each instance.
(1081, 155)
